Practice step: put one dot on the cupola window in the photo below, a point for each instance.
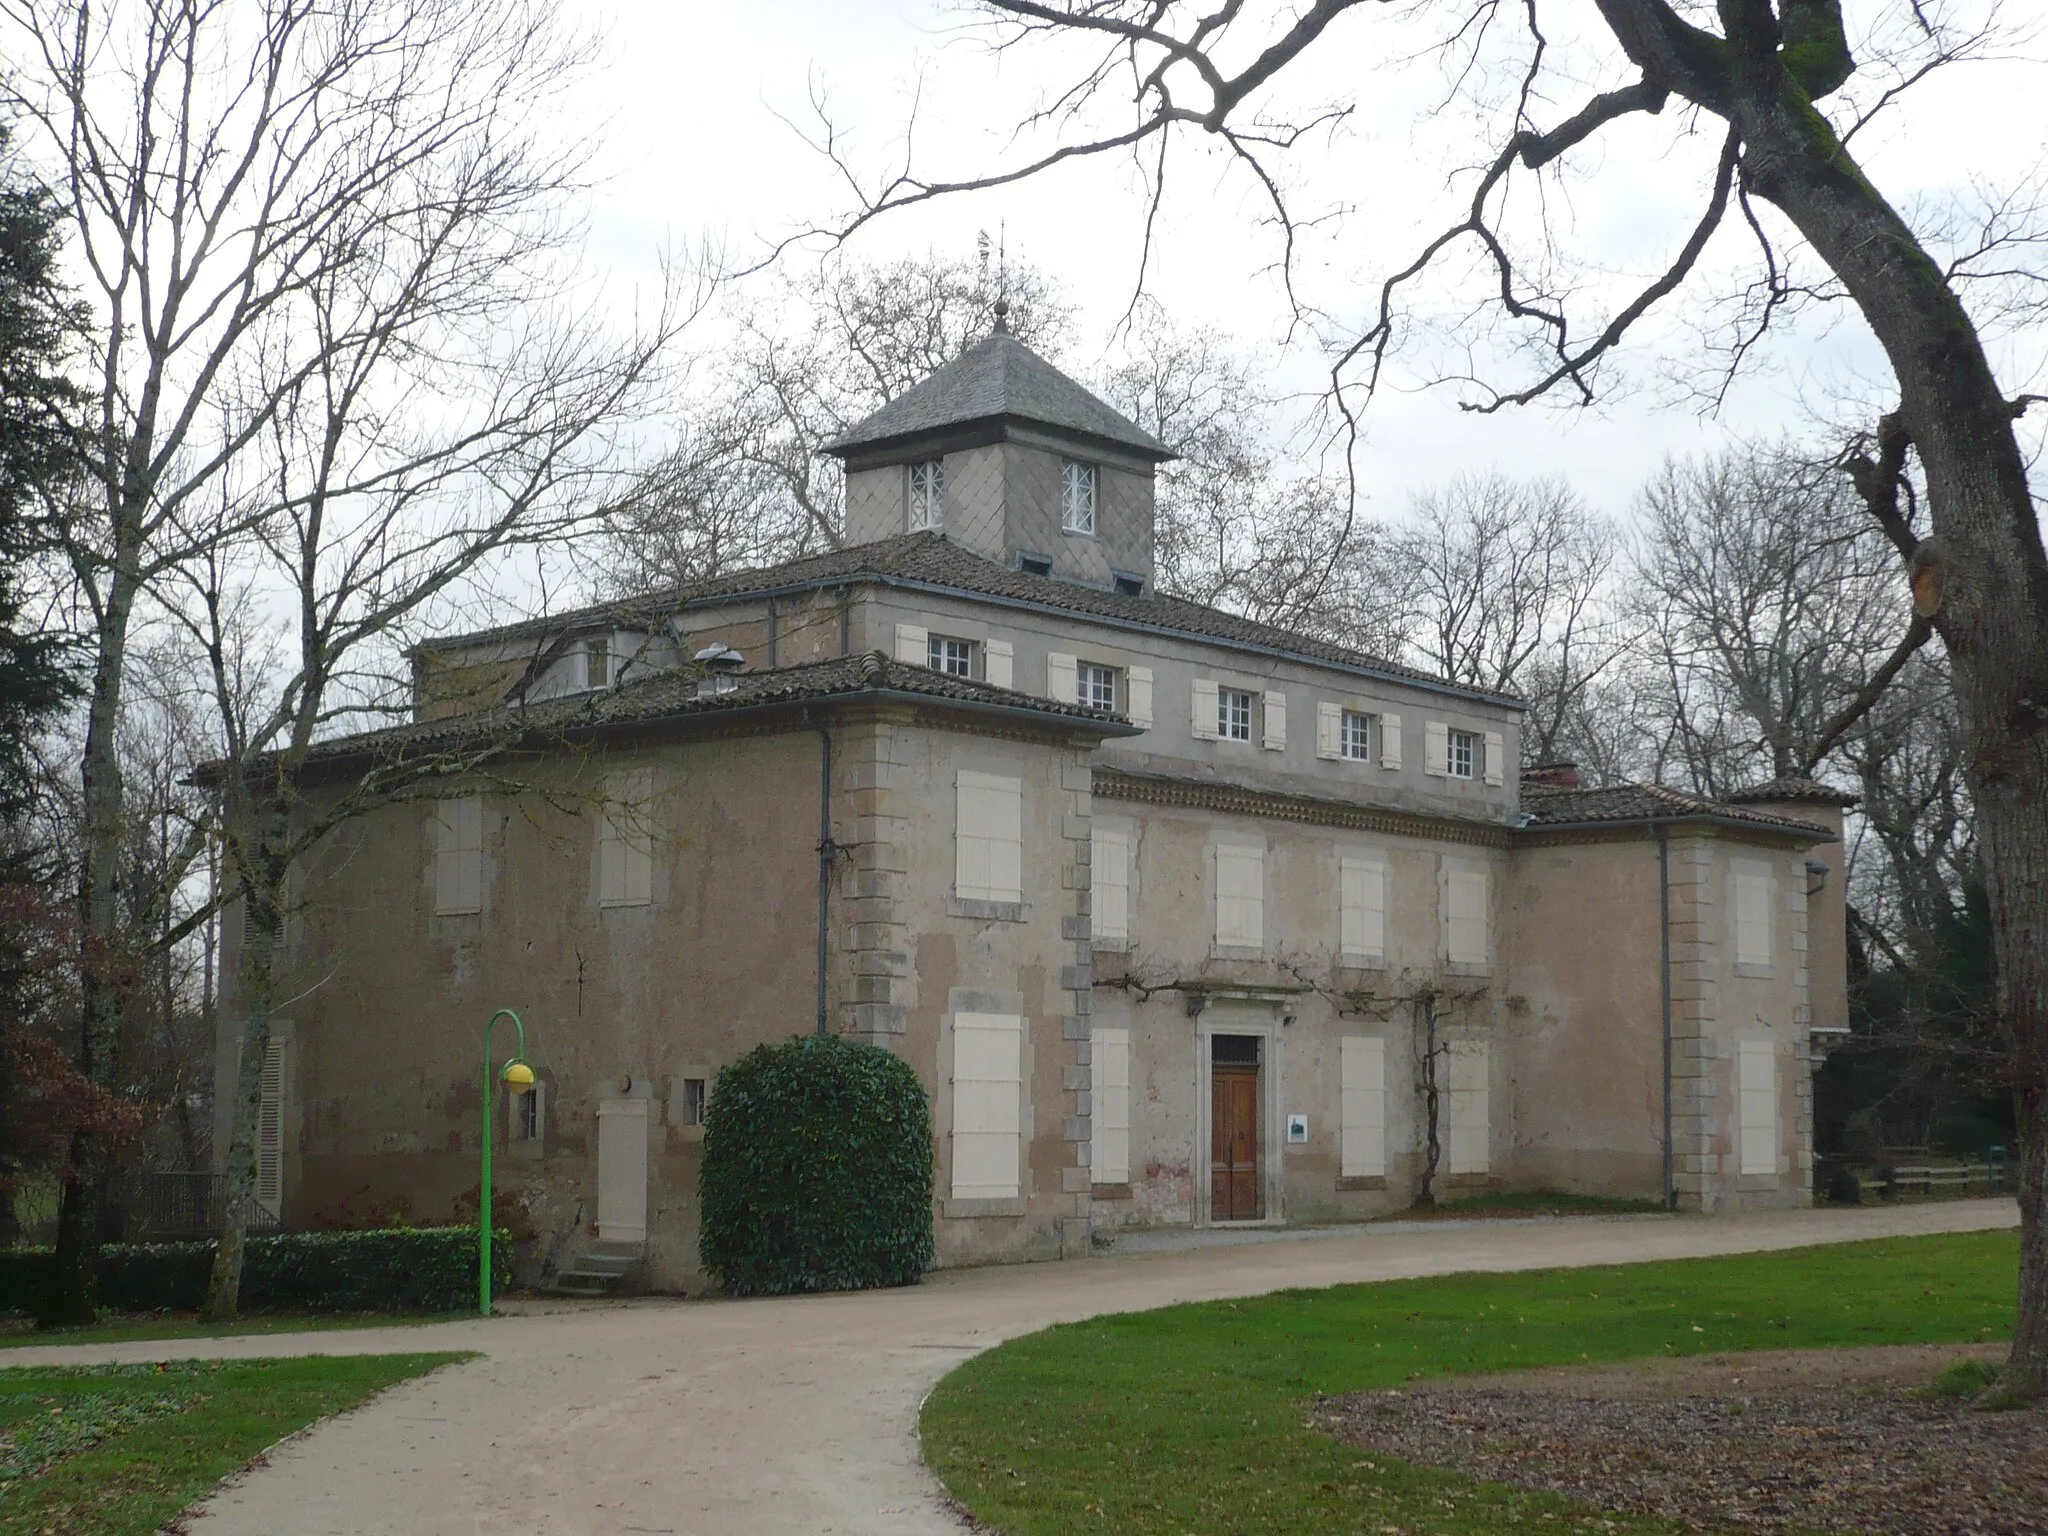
(1077, 497)
(927, 496)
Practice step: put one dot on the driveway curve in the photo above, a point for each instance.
(799, 1416)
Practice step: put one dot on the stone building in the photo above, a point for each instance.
(1182, 918)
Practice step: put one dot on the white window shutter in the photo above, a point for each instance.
(1466, 1106)
(1390, 741)
(625, 850)
(988, 837)
(458, 856)
(1496, 753)
(1756, 1071)
(1329, 728)
(1362, 1112)
(1203, 722)
(1140, 710)
(1062, 678)
(1274, 737)
(1465, 895)
(913, 645)
(1436, 748)
(270, 1133)
(1240, 896)
(1109, 1157)
(1362, 908)
(988, 1058)
(1752, 882)
(999, 659)
(1109, 881)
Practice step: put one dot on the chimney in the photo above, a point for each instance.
(1551, 776)
(722, 666)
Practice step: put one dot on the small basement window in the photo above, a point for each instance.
(946, 653)
(1461, 754)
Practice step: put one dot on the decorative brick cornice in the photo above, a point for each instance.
(1237, 800)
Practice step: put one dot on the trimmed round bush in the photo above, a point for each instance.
(817, 1170)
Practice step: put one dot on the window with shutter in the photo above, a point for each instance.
(1362, 1061)
(625, 847)
(1756, 1067)
(1140, 708)
(1240, 897)
(270, 1134)
(1436, 748)
(1465, 939)
(1273, 736)
(1234, 714)
(1390, 741)
(1109, 863)
(1752, 882)
(913, 645)
(1467, 1107)
(458, 856)
(1110, 1097)
(1062, 677)
(988, 1057)
(1095, 685)
(988, 837)
(1362, 908)
(1203, 721)
(1355, 736)
(1461, 753)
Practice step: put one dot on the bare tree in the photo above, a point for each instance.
(291, 217)
(1781, 83)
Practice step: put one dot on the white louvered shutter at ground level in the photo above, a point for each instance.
(1240, 896)
(1756, 1073)
(270, 1134)
(988, 1058)
(625, 850)
(988, 836)
(1363, 1111)
(913, 645)
(1362, 908)
(1467, 1110)
(1203, 718)
(1110, 1155)
(458, 856)
(1390, 741)
(1465, 896)
(1109, 880)
(1273, 736)
(1140, 707)
(1752, 879)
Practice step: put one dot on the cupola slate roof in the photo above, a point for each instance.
(996, 379)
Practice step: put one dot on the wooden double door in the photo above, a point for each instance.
(1236, 1191)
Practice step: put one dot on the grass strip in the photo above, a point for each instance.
(117, 1450)
(18, 1332)
(1189, 1421)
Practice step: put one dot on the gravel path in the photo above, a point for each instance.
(1844, 1441)
(798, 1417)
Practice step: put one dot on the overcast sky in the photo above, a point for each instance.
(696, 102)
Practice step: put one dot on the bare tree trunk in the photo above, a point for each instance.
(1432, 1104)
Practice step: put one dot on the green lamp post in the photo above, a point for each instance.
(517, 1076)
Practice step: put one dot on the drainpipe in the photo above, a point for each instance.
(1664, 966)
(827, 851)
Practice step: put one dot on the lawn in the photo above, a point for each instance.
(116, 1450)
(1189, 1421)
(17, 1332)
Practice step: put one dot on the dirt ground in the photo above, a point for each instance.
(1777, 1442)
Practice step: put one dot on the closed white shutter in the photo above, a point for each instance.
(1109, 864)
(1203, 721)
(999, 659)
(1362, 908)
(1496, 758)
(1465, 898)
(1062, 678)
(988, 837)
(1109, 1158)
(1329, 729)
(459, 856)
(1362, 1109)
(270, 1134)
(1436, 748)
(1140, 710)
(625, 849)
(1240, 896)
(1274, 736)
(1756, 1071)
(1467, 1110)
(913, 645)
(1390, 741)
(1752, 881)
(988, 1059)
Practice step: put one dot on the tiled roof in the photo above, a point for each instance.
(998, 378)
(1548, 807)
(1791, 790)
(674, 695)
(932, 560)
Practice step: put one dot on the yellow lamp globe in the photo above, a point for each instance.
(518, 1077)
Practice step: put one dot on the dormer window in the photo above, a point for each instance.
(1034, 565)
(927, 496)
(597, 662)
(1077, 497)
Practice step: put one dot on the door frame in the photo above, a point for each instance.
(1234, 1016)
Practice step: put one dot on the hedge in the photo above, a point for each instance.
(817, 1171)
(393, 1269)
